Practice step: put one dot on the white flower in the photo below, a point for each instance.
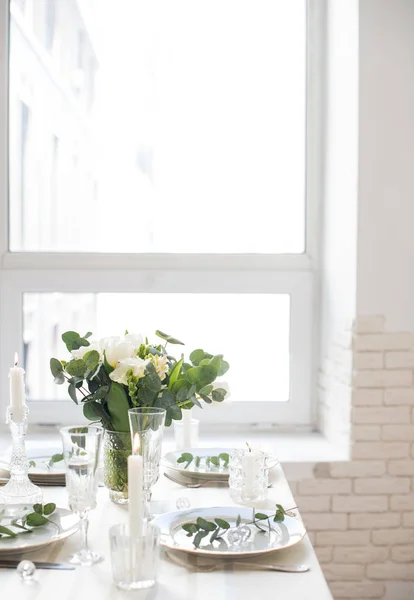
(80, 353)
(116, 349)
(136, 339)
(135, 364)
(160, 364)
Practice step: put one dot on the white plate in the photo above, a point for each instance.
(287, 534)
(66, 520)
(203, 472)
(41, 471)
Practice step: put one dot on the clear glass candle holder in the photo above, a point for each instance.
(134, 560)
(186, 439)
(249, 475)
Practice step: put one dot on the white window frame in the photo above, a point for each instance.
(295, 275)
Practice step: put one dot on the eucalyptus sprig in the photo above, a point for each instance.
(201, 528)
(28, 521)
(188, 458)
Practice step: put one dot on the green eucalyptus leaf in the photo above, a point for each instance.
(205, 525)
(35, 520)
(219, 394)
(214, 535)
(215, 461)
(99, 394)
(261, 516)
(56, 366)
(206, 390)
(49, 508)
(191, 528)
(76, 367)
(196, 356)
(182, 394)
(38, 508)
(7, 531)
(222, 523)
(72, 392)
(224, 367)
(198, 538)
(168, 338)
(152, 382)
(91, 411)
(92, 359)
(238, 520)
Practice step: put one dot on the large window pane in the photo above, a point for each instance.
(157, 126)
(251, 330)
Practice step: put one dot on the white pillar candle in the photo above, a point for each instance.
(250, 471)
(135, 491)
(17, 391)
(187, 417)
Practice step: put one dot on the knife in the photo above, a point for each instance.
(12, 564)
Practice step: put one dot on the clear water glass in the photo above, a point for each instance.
(147, 428)
(249, 476)
(134, 560)
(81, 451)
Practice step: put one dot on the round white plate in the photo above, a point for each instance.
(287, 534)
(41, 467)
(66, 521)
(204, 472)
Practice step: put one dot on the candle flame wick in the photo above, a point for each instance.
(248, 446)
(16, 359)
(137, 444)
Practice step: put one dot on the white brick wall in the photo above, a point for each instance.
(360, 514)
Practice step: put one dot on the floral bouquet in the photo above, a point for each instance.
(118, 373)
(110, 376)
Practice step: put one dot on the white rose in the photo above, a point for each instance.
(135, 364)
(117, 349)
(80, 353)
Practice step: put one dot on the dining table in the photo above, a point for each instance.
(176, 580)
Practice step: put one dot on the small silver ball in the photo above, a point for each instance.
(26, 569)
(182, 503)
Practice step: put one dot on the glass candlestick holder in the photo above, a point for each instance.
(19, 489)
(248, 476)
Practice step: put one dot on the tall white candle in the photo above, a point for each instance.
(250, 471)
(17, 391)
(135, 491)
(187, 417)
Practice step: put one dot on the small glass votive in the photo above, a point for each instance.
(134, 560)
(186, 436)
(249, 475)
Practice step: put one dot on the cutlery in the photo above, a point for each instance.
(190, 484)
(201, 483)
(238, 563)
(48, 482)
(12, 564)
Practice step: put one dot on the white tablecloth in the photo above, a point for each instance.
(174, 582)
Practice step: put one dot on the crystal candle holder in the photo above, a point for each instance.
(134, 559)
(180, 438)
(249, 476)
(19, 489)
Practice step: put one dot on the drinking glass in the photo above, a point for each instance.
(182, 440)
(81, 451)
(147, 428)
(134, 559)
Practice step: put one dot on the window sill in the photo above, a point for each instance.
(296, 451)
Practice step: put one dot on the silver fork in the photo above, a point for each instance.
(302, 568)
(190, 484)
(199, 484)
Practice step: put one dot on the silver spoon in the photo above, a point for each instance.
(201, 483)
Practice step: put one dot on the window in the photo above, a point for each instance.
(172, 188)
